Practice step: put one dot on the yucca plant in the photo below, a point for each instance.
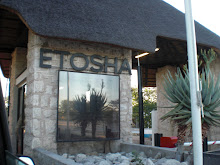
(81, 117)
(178, 92)
(97, 108)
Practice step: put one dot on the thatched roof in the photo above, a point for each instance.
(133, 24)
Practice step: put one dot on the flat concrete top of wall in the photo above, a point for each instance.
(42, 156)
(45, 157)
(150, 151)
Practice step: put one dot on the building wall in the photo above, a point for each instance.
(18, 65)
(214, 132)
(166, 127)
(42, 91)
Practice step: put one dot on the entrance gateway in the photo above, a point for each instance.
(81, 93)
(102, 42)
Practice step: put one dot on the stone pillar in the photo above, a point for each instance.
(154, 118)
(165, 127)
(125, 108)
(41, 101)
(18, 65)
(214, 132)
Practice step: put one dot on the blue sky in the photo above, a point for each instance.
(206, 12)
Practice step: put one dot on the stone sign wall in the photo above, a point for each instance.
(42, 92)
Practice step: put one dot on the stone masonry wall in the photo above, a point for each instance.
(165, 127)
(18, 65)
(214, 132)
(42, 91)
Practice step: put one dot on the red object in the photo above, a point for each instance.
(168, 142)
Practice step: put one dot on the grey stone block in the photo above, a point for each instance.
(43, 157)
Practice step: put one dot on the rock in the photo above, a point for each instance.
(72, 160)
(129, 155)
(89, 163)
(143, 159)
(101, 154)
(153, 160)
(65, 155)
(90, 159)
(122, 158)
(104, 162)
(158, 156)
(80, 158)
(98, 159)
(189, 159)
(179, 156)
(160, 161)
(142, 154)
(113, 157)
(171, 162)
(71, 157)
(148, 162)
(125, 162)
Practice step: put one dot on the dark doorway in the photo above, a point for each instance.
(20, 128)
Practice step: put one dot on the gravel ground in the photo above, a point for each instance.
(121, 158)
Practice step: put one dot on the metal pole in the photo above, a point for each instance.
(68, 102)
(22, 119)
(9, 96)
(141, 118)
(194, 84)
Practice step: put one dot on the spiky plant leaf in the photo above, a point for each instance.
(180, 94)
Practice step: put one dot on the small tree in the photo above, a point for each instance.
(90, 111)
(81, 117)
(64, 106)
(97, 108)
(149, 104)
